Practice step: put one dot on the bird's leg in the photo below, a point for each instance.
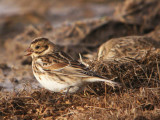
(66, 94)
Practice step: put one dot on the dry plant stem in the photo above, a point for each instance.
(105, 95)
(158, 68)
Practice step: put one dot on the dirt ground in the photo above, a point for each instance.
(79, 26)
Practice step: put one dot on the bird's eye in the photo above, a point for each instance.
(46, 46)
(37, 47)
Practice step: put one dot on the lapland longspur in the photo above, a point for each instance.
(135, 47)
(57, 71)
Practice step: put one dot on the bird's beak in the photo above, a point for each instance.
(29, 51)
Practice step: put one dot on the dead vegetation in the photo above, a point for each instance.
(137, 99)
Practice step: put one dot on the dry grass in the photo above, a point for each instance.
(127, 104)
(130, 72)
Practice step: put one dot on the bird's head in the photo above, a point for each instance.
(39, 47)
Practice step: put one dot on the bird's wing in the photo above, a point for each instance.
(61, 63)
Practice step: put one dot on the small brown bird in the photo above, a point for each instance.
(57, 71)
(135, 47)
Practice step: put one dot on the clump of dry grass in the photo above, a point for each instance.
(130, 72)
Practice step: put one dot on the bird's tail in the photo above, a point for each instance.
(108, 82)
